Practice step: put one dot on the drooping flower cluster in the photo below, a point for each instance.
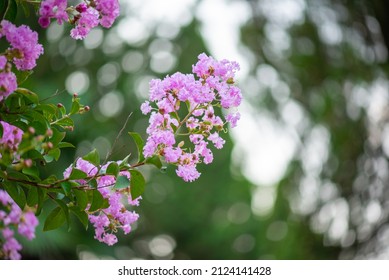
(107, 221)
(25, 49)
(11, 216)
(198, 97)
(11, 138)
(84, 16)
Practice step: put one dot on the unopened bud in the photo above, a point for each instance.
(50, 145)
(31, 130)
(181, 144)
(75, 95)
(49, 132)
(59, 105)
(27, 162)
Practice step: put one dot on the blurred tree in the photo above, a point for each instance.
(333, 58)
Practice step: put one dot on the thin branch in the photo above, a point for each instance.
(109, 154)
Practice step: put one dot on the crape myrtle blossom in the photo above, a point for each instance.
(25, 49)
(85, 16)
(11, 138)
(116, 216)
(13, 218)
(213, 88)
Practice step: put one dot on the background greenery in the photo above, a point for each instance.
(329, 59)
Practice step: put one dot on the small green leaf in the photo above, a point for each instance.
(66, 121)
(77, 174)
(57, 137)
(81, 215)
(21, 77)
(1, 131)
(93, 157)
(65, 209)
(32, 196)
(122, 182)
(41, 199)
(139, 144)
(137, 184)
(75, 107)
(16, 193)
(113, 169)
(97, 201)
(65, 145)
(124, 162)
(32, 172)
(154, 160)
(81, 197)
(54, 153)
(66, 186)
(55, 219)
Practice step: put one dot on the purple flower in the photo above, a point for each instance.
(52, 9)
(24, 44)
(12, 136)
(3, 62)
(87, 20)
(109, 10)
(233, 118)
(184, 106)
(145, 108)
(188, 172)
(8, 84)
(28, 225)
(25, 221)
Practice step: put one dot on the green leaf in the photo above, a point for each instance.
(137, 184)
(81, 215)
(34, 155)
(97, 201)
(77, 174)
(154, 160)
(139, 144)
(66, 121)
(11, 11)
(122, 182)
(16, 193)
(21, 77)
(93, 157)
(113, 169)
(1, 131)
(54, 153)
(32, 172)
(55, 219)
(65, 145)
(41, 199)
(32, 196)
(57, 137)
(67, 187)
(81, 197)
(65, 209)
(75, 107)
(124, 162)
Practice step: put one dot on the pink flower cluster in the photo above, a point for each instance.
(107, 221)
(85, 15)
(12, 216)
(24, 52)
(198, 97)
(11, 137)
(25, 49)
